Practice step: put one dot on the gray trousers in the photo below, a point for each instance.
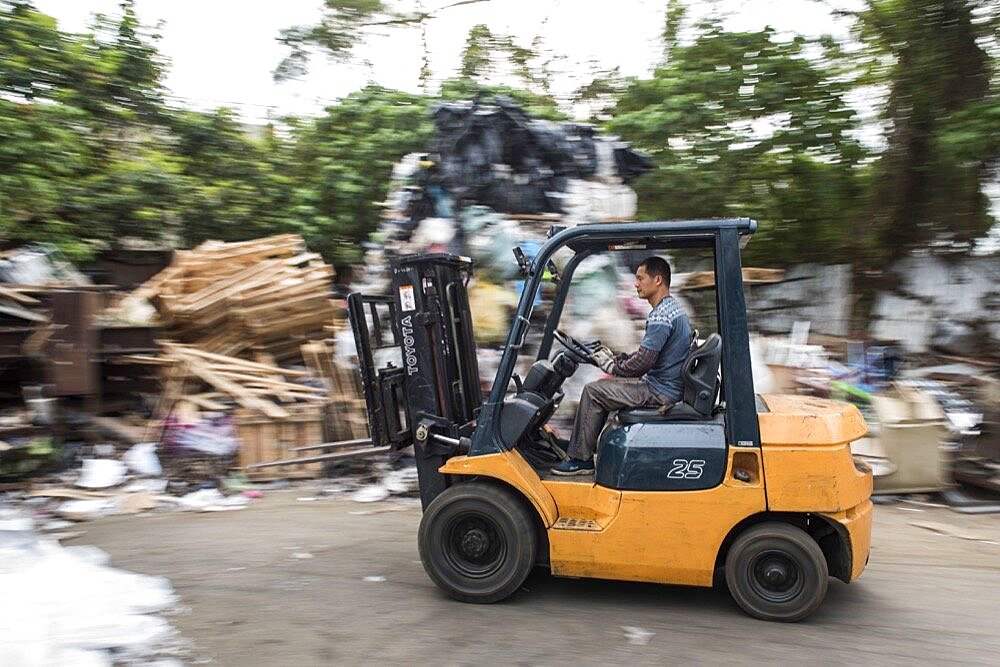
(601, 397)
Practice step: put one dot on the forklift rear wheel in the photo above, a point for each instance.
(776, 572)
(477, 542)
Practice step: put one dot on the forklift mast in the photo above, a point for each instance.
(430, 397)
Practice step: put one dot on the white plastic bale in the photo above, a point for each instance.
(65, 606)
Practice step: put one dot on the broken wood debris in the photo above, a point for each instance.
(751, 276)
(259, 387)
(234, 297)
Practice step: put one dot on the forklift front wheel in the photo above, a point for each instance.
(477, 542)
(776, 572)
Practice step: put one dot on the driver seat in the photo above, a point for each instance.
(700, 375)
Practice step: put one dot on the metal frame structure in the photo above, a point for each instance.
(724, 236)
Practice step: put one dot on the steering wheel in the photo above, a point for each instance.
(577, 351)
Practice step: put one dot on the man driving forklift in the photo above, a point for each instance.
(757, 490)
(649, 377)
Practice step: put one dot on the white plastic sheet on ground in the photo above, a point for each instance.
(67, 606)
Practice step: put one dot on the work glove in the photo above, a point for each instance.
(604, 359)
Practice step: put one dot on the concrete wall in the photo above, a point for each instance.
(962, 295)
(813, 292)
(932, 292)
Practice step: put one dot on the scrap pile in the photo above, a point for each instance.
(266, 295)
(494, 172)
(255, 386)
(494, 179)
(245, 365)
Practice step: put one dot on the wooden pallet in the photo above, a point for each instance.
(343, 389)
(264, 439)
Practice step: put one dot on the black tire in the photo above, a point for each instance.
(477, 542)
(776, 572)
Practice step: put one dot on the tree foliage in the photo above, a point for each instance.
(933, 58)
(344, 24)
(344, 160)
(744, 124)
(740, 123)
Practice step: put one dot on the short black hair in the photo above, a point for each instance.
(656, 266)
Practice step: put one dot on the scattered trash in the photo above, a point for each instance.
(142, 459)
(375, 578)
(151, 485)
(101, 473)
(965, 504)
(302, 555)
(636, 635)
(104, 449)
(212, 500)
(87, 510)
(370, 493)
(66, 606)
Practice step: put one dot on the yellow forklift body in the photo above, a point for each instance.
(806, 444)
(664, 537)
(857, 521)
(511, 468)
(675, 536)
(656, 536)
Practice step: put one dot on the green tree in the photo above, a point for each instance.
(80, 163)
(942, 111)
(743, 124)
(343, 162)
(235, 185)
(344, 24)
(486, 50)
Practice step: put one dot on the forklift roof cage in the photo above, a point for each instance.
(724, 236)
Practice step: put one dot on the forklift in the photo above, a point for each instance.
(758, 491)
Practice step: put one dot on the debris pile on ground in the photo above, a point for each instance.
(265, 388)
(68, 606)
(928, 429)
(494, 179)
(232, 313)
(268, 294)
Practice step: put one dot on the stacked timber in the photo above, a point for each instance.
(343, 389)
(268, 295)
(214, 382)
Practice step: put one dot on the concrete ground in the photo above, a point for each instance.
(290, 581)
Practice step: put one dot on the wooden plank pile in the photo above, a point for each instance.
(229, 298)
(751, 276)
(213, 381)
(25, 322)
(235, 315)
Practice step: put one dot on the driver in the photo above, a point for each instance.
(649, 377)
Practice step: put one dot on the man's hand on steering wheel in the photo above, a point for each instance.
(603, 358)
(586, 353)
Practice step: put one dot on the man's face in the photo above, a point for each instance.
(645, 284)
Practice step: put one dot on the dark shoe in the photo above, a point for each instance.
(574, 467)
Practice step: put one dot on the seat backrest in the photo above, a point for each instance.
(700, 374)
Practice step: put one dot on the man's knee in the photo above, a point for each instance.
(601, 391)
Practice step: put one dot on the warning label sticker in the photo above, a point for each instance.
(406, 298)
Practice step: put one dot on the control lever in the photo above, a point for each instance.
(517, 382)
(550, 266)
(523, 263)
